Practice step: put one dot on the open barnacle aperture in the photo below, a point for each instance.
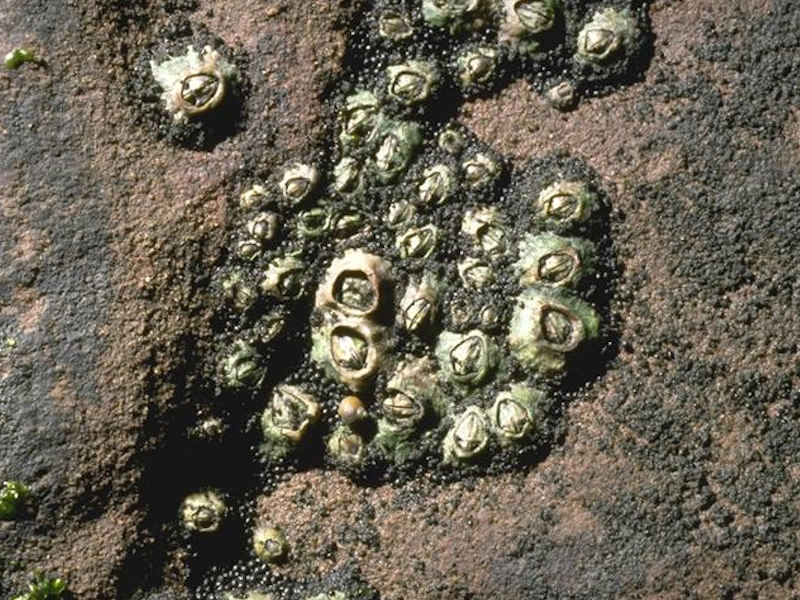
(349, 349)
(607, 36)
(418, 242)
(466, 359)
(477, 66)
(298, 182)
(270, 544)
(355, 284)
(551, 259)
(360, 117)
(479, 171)
(486, 227)
(436, 185)
(203, 512)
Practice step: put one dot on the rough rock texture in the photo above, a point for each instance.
(679, 475)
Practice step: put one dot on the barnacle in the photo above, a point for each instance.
(550, 259)
(351, 350)
(394, 26)
(475, 273)
(480, 170)
(360, 118)
(270, 544)
(527, 24)
(203, 512)
(396, 143)
(564, 205)
(477, 66)
(609, 34)
(287, 419)
(466, 359)
(515, 413)
(419, 305)
(486, 227)
(453, 15)
(285, 278)
(345, 446)
(298, 182)
(356, 284)
(412, 82)
(436, 185)
(243, 367)
(468, 438)
(418, 242)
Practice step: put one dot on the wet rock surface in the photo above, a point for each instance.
(677, 460)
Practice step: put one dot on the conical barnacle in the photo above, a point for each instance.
(203, 512)
(451, 141)
(396, 143)
(356, 284)
(345, 446)
(346, 223)
(269, 326)
(360, 118)
(563, 96)
(527, 24)
(479, 171)
(546, 325)
(244, 366)
(238, 292)
(287, 419)
(255, 197)
(419, 305)
(248, 249)
(515, 413)
(348, 177)
(466, 359)
(609, 35)
(394, 25)
(486, 227)
(263, 227)
(477, 66)
(564, 205)
(400, 214)
(298, 182)
(475, 273)
(418, 242)
(196, 83)
(314, 222)
(550, 259)
(436, 185)
(412, 82)
(285, 278)
(454, 15)
(468, 438)
(270, 544)
(351, 350)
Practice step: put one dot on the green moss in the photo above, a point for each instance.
(13, 497)
(17, 57)
(43, 588)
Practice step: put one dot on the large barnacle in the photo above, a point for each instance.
(356, 284)
(466, 359)
(396, 143)
(351, 350)
(468, 438)
(550, 259)
(564, 205)
(528, 24)
(412, 82)
(515, 413)
(608, 35)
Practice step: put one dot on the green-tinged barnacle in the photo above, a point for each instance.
(565, 204)
(475, 273)
(238, 292)
(420, 304)
(418, 242)
(348, 176)
(18, 57)
(607, 36)
(550, 259)
(313, 223)
(351, 410)
(13, 498)
(356, 284)
(345, 446)
(285, 278)
(346, 223)
(203, 512)
(477, 66)
(351, 350)
(263, 227)
(466, 359)
(298, 182)
(248, 249)
(287, 419)
(563, 96)
(194, 84)
(468, 438)
(360, 118)
(397, 141)
(269, 326)
(479, 171)
(400, 214)
(255, 197)
(453, 15)
(412, 82)
(486, 227)
(515, 413)
(527, 24)
(270, 544)
(244, 366)
(546, 325)
(395, 26)
(451, 141)
(436, 185)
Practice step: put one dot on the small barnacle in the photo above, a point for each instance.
(360, 118)
(238, 292)
(350, 350)
(419, 305)
(400, 214)
(418, 242)
(397, 142)
(203, 512)
(565, 204)
(13, 498)
(553, 260)
(263, 227)
(486, 227)
(334, 595)
(475, 273)
(546, 325)
(527, 23)
(287, 419)
(451, 141)
(453, 15)
(412, 82)
(346, 223)
(480, 170)
(209, 428)
(436, 185)
(466, 359)
(489, 316)
(298, 182)
(248, 249)
(244, 367)
(356, 284)
(394, 26)
(313, 223)
(255, 197)
(270, 544)
(563, 96)
(269, 326)
(348, 176)
(285, 278)
(345, 446)
(609, 34)
(515, 413)
(351, 410)
(194, 84)
(477, 66)
(468, 438)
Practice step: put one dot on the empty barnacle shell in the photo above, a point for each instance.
(436, 185)
(486, 227)
(360, 118)
(418, 242)
(314, 222)
(397, 141)
(477, 66)
(263, 227)
(453, 15)
(466, 359)
(419, 305)
(348, 176)
(244, 366)
(298, 182)
(563, 96)
(285, 278)
(270, 544)
(203, 512)
(515, 413)
(345, 446)
(394, 26)
(351, 350)
(475, 273)
(546, 325)
(468, 438)
(238, 292)
(400, 214)
(195, 83)
(356, 284)
(248, 249)
(565, 204)
(255, 197)
(351, 410)
(608, 35)
(550, 259)
(288, 417)
(527, 23)
(451, 141)
(480, 170)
